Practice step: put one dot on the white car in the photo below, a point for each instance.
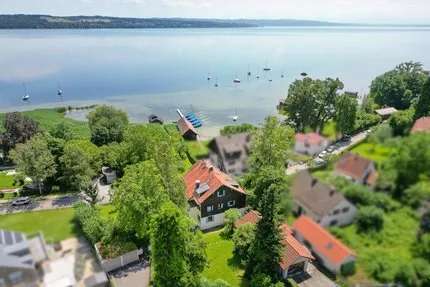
(21, 201)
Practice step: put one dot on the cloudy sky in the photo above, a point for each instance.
(363, 11)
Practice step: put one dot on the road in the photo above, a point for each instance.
(354, 140)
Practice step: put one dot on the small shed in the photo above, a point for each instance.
(109, 174)
(385, 113)
(187, 130)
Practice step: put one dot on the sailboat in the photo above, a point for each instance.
(26, 96)
(235, 117)
(216, 83)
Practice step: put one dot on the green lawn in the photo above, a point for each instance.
(392, 245)
(221, 262)
(376, 152)
(6, 181)
(198, 149)
(48, 118)
(56, 225)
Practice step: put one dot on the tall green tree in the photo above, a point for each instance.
(138, 197)
(265, 252)
(18, 129)
(107, 125)
(311, 103)
(34, 160)
(346, 114)
(172, 240)
(399, 87)
(80, 163)
(422, 108)
(401, 122)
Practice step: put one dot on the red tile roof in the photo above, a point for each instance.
(323, 243)
(293, 249)
(421, 125)
(184, 126)
(251, 217)
(207, 174)
(310, 138)
(353, 165)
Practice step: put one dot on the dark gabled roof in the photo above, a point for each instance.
(316, 196)
(210, 179)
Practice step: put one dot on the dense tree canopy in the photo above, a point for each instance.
(139, 196)
(311, 103)
(178, 255)
(18, 129)
(401, 122)
(370, 218)
(80, 163)
(346, 114)
(107, 125)
(34, 160)
(399, 87)
(422, 108)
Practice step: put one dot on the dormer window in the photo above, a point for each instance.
(231, 203)
(221, 193)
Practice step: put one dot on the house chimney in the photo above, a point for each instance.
(197, 184)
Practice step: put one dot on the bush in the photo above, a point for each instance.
(243, 238)
(406, 276)
(237, 129)
(348, 269)
(363, 196)
(90, 222)
(262, 280)
(217, 283)
(370, 218)
(365, 120)
(401, 122)
(231, 216)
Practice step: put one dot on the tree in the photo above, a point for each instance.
(237, 129)
(62, 130)
(399, 87)
(417, 194)
(401, 122)
(243, 238)
(422, 269)
(262, 280)
(107, 125)
(311, 103)
(170, 242)
(346, 113)
(80, 163)
(138, 197)
(422, 247)
(422, 108)
(370, 218)
(270, 145)
(406, 276)
(231, 216)
(34, 160)
(265, 252)
(18, 129)
(217, 283)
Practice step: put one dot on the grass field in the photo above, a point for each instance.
(6, 181)
(375, 152)
(392, 246)
(198, 149)
(221, 262)
(56, 225)
(48, 118)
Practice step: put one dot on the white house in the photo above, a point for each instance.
(310, 143)
(321, 202)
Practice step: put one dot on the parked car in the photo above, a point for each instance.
(330, 149)
(21, 201)
(346, 138)
(318, 162)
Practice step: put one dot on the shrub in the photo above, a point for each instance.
(237, 129)
(401, 122)
(243, 238)
(348, 269)
(262, 280)
(406, 276)
(231, 216)
(90, 222)
(370, 218)
(364, 196)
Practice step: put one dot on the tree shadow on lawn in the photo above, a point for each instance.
(236, 264)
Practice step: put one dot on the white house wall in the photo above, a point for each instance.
(342, 218)
(218, 220)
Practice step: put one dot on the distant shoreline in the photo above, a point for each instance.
(22, 21)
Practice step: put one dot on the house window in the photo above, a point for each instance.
(220, 205)
(210, 219)
(333, 222)
(221, 193)
(210, 208)
(345, 209)
(336, 211)
(231, 203)
(15, 277)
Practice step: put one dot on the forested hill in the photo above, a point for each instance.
(101, 22)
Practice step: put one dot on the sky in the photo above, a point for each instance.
(357, 11)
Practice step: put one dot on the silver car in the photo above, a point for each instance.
(21, 201)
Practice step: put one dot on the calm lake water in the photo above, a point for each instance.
(145, 71)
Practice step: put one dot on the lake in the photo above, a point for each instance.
(158, 71)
